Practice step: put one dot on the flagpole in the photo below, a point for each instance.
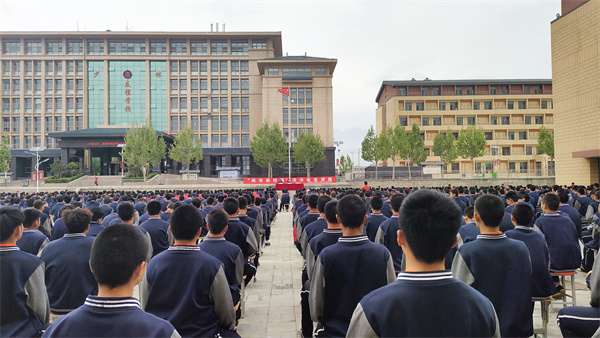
(289, 136)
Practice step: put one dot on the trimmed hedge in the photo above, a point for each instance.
(53, 179)
(131, 177)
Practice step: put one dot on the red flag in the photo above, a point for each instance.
(285, 91)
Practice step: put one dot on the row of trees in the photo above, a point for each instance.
(396, 144)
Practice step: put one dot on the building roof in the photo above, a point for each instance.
(99, 132)
(475, 82)
(296, 60)
(299, 58)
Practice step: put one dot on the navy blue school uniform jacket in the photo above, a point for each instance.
(424, 304)
(255, 213)
(310, 231)
(196, 309)
(543, 286)
(108, 219)
(144, 218)
(317, 244)
(563, 242)
(239, 233)
(32, 241)
(106, 209)
(573, 214)
(388, 236)
(233, 262)
(254, 227)
(69, 279)
(372, 225)
(59, 230)
(95, 229)
(110, 317)
(506, 223)
(344, 273)
(25, 308)
(159, 234)
(467, 233)
(499, 268)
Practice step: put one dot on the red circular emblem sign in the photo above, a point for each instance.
(127, 74)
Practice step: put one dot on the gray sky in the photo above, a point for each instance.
(372, 40)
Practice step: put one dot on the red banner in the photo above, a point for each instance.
(275, 180)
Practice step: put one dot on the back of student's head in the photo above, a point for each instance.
(76, 221)
(154, 207)
(125, 210)
(396, 202)
(312, 200)
(231, 205)
(217, 221)
(351, 209)
(210, 201)
(65, 209)
(321, 203)
(490, 209)
(523, 214)
(185, 222)
(196, 202)
(117, 251)
(31, 216)
(376, 203)
(429, 221)
(10, 219)
(331, 211)
(551, 201)
(67, 199)
(454, 192)
(97, 213)
(469, 211)
(38, 204)
(221, 198)
(243, 202)
(511, 195)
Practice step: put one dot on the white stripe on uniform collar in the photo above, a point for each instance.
(354, 239)
(333, 231)
(9, 248)
(184, 247)
(79, 234)
(488, 236)
(112, 303)
(421, 276)
(522, 227)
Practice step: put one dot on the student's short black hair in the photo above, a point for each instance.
(551, 201)
(210, 201)
(231, 205)
(38, 204)
(97, 213)
(469, 211)
(125, 210)
(426, 212)
(351, 209)
(176, 205)
(154, 208)
(562, 196)
(185, 222)
(30, 216)
(217, 221)
(376, 202)
(257, 202)
(117, 251)
(522, 214)
(221, 198)
(321, 203)
(196, 202)
(511, 195)
(10, 219)
(396, 202)
(312, 201)
(243, 202)
(76, 221)
(491, 210)
(331, 211)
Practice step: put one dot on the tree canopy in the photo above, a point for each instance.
(309, 150)
(398, 145)
(368, 147)
(383, 147)
(416, 148)
(187, 148)
(346, 164)
(268, 146)
(5, 155)
(546, 142)
(471, 144)
(445, 147)
(143, 148)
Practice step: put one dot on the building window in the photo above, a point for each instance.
(245, 122)
(420, 106)
(16, 122)
(527, 119)
(475, 105)
(402, 91)
(528, 151)
(539, 120)
(224, 105)
(214, 86)
(203, 86)
(11, 48)
(487, 105)
(504, 90)
(74, 47)
(53, 48)
(425, 91)
(218, 48)
(6, 124)
(494, 120)
(436, 91)
(79, 120)
(174, 123)
(235, 122)
(5, 105)
(459, 91)
(511, 105)
(223, 86)
(522, 135)
(425, 121)
(526, 90)
(239, 47)
(523, 167)
(58, 107)
(245, 86)
(442, 106)
(408, 106)
(49, 105)
(245, 67)
(488, 135)
(493, 90)
(28, 105)
(437, 121)
(178, 48)
(158, 48)
(537, 89)
(544, 104)
(194, 104)
(127, 48)
(273, 71)
(505, 120)
(70, 123)
(505, 151)
(470, 90)
(16, 87)
(224, 123)
(309, 116)
(203, 122)
(58, 124)
(297, 74)
(58, 68)
(198, 48)
(204, 104)
(453, 105)
(37, 105)
(511, 135)
(175, 104)
(459, 121)
(183, 104)
(49, 121)
(320, 71)
(96, 48)
(522, 105)
(259, 44)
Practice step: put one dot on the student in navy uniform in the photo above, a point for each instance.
(106, 207)
(427, 301)
(562, 238)
(565, 209)
(200, 309)
(59, 229)
(95, 223)
(32, 241)
(251, 222)
(386, 234)
(499, 268)
(228, 253)
(459, 201)
(118, 259)
(25, 309)
(543, 287)
(583, 321)
(45, 220)
(285, 200)
(165, 216)
(375, 218)
(69, 279)
(315, 227)
(209, 206)
(157, 228)
(239, 233)
(469, 231)
(349, 269)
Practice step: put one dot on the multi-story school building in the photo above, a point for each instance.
(76, 93)
(576, 77)
(510, 112)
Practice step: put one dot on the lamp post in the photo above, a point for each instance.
(37, 164)
(122, 146)
(6, 171)
(337, 144)
(495, 150)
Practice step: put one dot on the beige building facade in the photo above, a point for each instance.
(223, 84)
(576, 78)
(510, 112)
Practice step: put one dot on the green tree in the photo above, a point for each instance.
(545, 142)
(471, 144)
(383, 147)
(186, 148)
(445, 148)
(268, 146)
(58, 168)
(143, 148)
(72, 167)
(415, 148)
(346, 164)
(368, 147)
(399, 145)
(309, 150)
(5, 156)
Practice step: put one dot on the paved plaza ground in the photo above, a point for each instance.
(273, 301)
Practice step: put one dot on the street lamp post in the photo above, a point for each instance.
(122, 146)
(37, 164)
(495, 150)
(338, 144)
(6, 171)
